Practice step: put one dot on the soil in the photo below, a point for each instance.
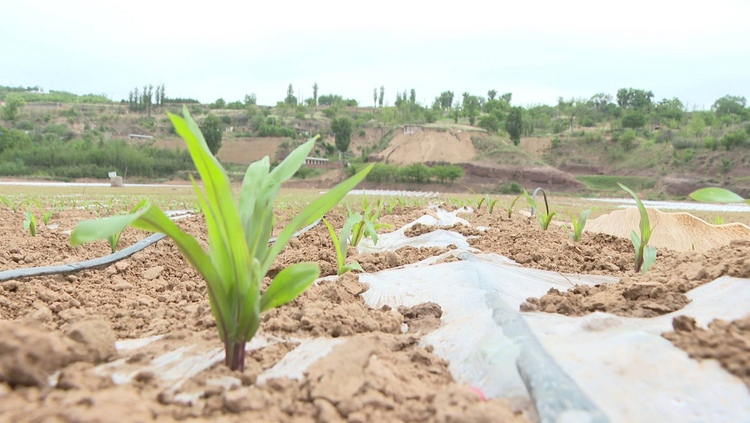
(68, 324)
(660, 291)
(18, 249)
(378, 373)
(420, 229)
(429, 146)
(676, 231)
(727, 342)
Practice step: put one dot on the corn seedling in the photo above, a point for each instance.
(719, 220)
(717, 195)
(491, 204)
(645, 256)
(341, 245)
(47, 215)
(30, 223)
(114, 238)
(366, 226)
(513, 203)
(578, 224)
(238, 237)
(543, 216)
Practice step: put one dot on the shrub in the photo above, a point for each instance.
(415, 172)
(447, 173)
(489, 123)
(627, 140)
(588, 122)
(734, 139)
(299, 115)
(682, 143)
(592, 137)
(634, 120)
(555, 141)
(329, 112)
(710, 143)
(362, 132)
(726, 165)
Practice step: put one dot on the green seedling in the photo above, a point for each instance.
(30, 223)
(578, 224)
(717, 195)
(645, 255)
(543, 216)
(491, 204)
(719, 220)
(238, 237)
(367, 226)
(512, 204)
(114, 238)
(341, 245)
(47, 215)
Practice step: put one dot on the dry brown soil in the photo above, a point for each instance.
(727, 342)
(70, 323)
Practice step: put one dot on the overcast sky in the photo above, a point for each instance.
(537, 50)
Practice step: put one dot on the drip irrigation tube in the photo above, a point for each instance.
(556, 396)
(102, 261)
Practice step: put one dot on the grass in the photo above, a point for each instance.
(608, 183)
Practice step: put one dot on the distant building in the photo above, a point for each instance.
(319, 163)
(131, 136)
(412, 129)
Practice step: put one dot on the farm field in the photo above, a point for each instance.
(138, 335)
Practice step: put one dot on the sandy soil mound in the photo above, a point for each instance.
(429, 146)
(676, 231)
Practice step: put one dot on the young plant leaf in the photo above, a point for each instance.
(715, 195)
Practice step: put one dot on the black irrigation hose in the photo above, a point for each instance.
(556, 396)
(102, 261)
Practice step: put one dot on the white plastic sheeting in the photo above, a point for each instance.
(624, 203)
(439, 238)
(393, 193)
(633, 374)
(622, 364)
(479, 353)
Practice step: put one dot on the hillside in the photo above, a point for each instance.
(666, 152)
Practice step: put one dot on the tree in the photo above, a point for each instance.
(219, 104)
(413, 97)
(471, 108)
(491, 94)
(630, 98)
(633, 120)
(250, 99)
(514, 124)
(446, 99)
(697, 126)
(375, 97)
(506, 97)
(456, 113)
(382, 95)
(213, 132)
(13, 102)
(342, 132)
(489, 123)
(290, 99)
(729, 105)
(315, 94)
(601, 101)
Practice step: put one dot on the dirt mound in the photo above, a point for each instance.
(676, 231)
(233, 150)
(728, 342)
(420, 229)
(660, 291)
(429, 146)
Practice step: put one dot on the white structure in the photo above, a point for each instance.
(412, 129)
(315, 161)
(140, 136)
